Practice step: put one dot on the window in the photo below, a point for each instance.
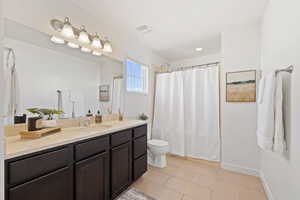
(137, 77)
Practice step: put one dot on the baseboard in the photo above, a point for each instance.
(266, 186)
(239, 169)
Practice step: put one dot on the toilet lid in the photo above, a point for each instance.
(158, 143)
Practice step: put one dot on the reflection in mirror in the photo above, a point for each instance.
(117, 94)
(44, 68)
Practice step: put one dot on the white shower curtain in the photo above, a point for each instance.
(186, 112)
(117, 95)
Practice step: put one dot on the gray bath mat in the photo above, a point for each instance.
(134, 194)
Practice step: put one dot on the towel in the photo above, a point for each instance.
(12, 101)
(279, 136)
(265, 118)
(261, 89)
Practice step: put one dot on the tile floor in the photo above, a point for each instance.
(187, 179)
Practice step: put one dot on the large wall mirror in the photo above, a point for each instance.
(48, 75)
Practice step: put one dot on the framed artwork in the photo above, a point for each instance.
(104, 93)
(241, 86)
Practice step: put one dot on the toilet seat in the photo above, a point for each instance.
(158, 143)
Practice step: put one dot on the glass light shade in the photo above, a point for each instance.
(57, 40)
(97, 53)
(73, 45)
(96, 43)
(83, 36)
(67, 30)
(107, 47)
(84, 49)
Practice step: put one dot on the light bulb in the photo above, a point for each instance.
(97, 53)
(107, 47)
(73, 45)
(57, 40)
(84, 49)
(96, 43)
(83, 36)
(67, 30)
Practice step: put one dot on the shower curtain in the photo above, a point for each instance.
(117, 95)
(186, 112)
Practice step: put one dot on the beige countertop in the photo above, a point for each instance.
(15, 146)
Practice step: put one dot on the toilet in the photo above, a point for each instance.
(157, 150)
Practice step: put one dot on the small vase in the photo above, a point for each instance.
(35, 123)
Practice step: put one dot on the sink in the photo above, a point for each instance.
(96, 127)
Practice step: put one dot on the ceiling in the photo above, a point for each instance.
(178, 26)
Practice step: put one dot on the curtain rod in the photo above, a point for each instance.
(190, 67)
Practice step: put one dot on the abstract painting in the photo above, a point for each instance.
(241, 86)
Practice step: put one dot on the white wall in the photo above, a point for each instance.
(196, 60)
(240, 51)
(1, 108)
(280, 47)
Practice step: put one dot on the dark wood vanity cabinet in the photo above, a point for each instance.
(43, 175)
(92, 169)
(56, 185)
(92, 178)
(121, 165)
(139, 151)
(100, 168)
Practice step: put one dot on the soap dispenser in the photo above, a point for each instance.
(89, 114)
(98, 118)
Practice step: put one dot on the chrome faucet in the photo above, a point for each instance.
(73, 109)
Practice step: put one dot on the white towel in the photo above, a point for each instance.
(12, 100)
(261, 89)
(279, 136)
(265, 118)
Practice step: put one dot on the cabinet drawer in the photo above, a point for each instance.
(91, 147)
(53, 186)
(140, 131)
(35, 166)
(121, 138)
(140, 146)
(139, 167)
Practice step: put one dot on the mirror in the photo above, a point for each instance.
(44, 68)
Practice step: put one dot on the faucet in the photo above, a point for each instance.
(59, 103)
(73, 109)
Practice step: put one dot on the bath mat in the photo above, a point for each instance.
(134, 194)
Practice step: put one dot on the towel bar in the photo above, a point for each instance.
(289, 69)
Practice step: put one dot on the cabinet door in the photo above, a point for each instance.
(92, 178)
(56, 185)
(121, 166)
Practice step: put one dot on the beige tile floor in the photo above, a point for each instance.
(186, 179)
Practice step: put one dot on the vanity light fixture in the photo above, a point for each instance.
(83, 36)
(107, 47)
(57, 40)
(96, 43)
(73, 45)
(76, 38)
(97, 53)
(199, 49)
(86, 50)
(67, 29)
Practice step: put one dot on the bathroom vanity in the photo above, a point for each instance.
(99, 165)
